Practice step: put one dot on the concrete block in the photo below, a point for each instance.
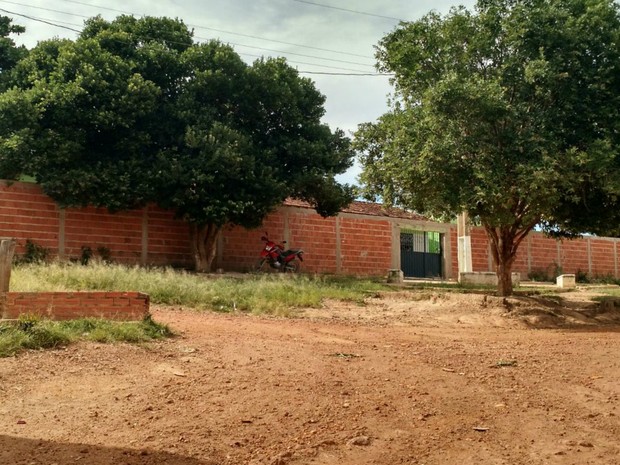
(478, 278)
(485, 278)
(566, 281)
(395, 276)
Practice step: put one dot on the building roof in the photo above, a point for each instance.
(365, 208)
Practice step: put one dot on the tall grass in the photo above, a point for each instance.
(33, 333)
(272, 293)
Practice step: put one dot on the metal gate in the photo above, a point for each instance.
(420, 254)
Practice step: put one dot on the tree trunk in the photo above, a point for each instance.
(203, 238)
(505, 241)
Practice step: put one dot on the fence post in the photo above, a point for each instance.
(7, 248)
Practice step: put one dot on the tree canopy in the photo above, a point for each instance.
(510, 113)
(134, 111)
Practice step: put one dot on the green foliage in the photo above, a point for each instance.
(10, 54)
(584, 277)
(33, 253)
(509, 113)
(548, 274)
(134, 111)
(104, 254)
(86, 254)
(35, 333)
(274, 294)
(503, 113)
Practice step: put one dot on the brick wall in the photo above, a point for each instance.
(352, 243)
(349, 244)
(149, 236)
(598, 256)
(71, 305)
(366, 246)
(25, 212)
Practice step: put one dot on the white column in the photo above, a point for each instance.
(464, 244)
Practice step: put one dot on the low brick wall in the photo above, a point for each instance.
(72, 305)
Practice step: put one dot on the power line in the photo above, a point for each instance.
(352, 71)
(197, 37)
(197, 26)
(100, 7)
(361, 73)
(346, 74)
(349, 10)
(206, 39)
(39, 20)
(45, 9)
(292, 53)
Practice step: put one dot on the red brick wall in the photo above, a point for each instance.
(452, 238)
(602, 254)
(365, 241)
(479, 250)
(573, 255)
(25, 212)
(73, 305)
(543, 253)
(168, 239)
(540, 253)
(366, 246)
(240, 248)
(120, 233)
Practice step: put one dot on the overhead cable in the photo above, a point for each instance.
(40, 20)
(349, 10)
(198, 26)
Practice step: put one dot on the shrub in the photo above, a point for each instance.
(34, 253)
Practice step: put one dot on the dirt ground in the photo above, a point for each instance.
(411, 378)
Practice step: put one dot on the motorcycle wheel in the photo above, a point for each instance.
(261, 265)
(292, 267)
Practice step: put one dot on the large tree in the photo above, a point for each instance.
(134, 112)
(510, 113)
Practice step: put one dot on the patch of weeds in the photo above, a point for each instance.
(33, 253)
(86, 255)
(33, 333)
(506, 363)
(104, 254)
(548, 274)
(345, 355)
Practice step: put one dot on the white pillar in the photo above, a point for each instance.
(464, 244)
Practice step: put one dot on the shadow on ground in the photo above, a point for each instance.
(21, 451)
(560, 312)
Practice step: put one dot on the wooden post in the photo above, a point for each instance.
(7, 248)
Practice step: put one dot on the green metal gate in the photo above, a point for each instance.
(420, 254)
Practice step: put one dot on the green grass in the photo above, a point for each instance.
(34, 333)
(272, 293)
(612, 292)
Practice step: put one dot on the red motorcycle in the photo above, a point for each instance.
(274, 256)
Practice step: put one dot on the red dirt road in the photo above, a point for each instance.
(397, 381)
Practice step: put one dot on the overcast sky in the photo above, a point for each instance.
(322, 36)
